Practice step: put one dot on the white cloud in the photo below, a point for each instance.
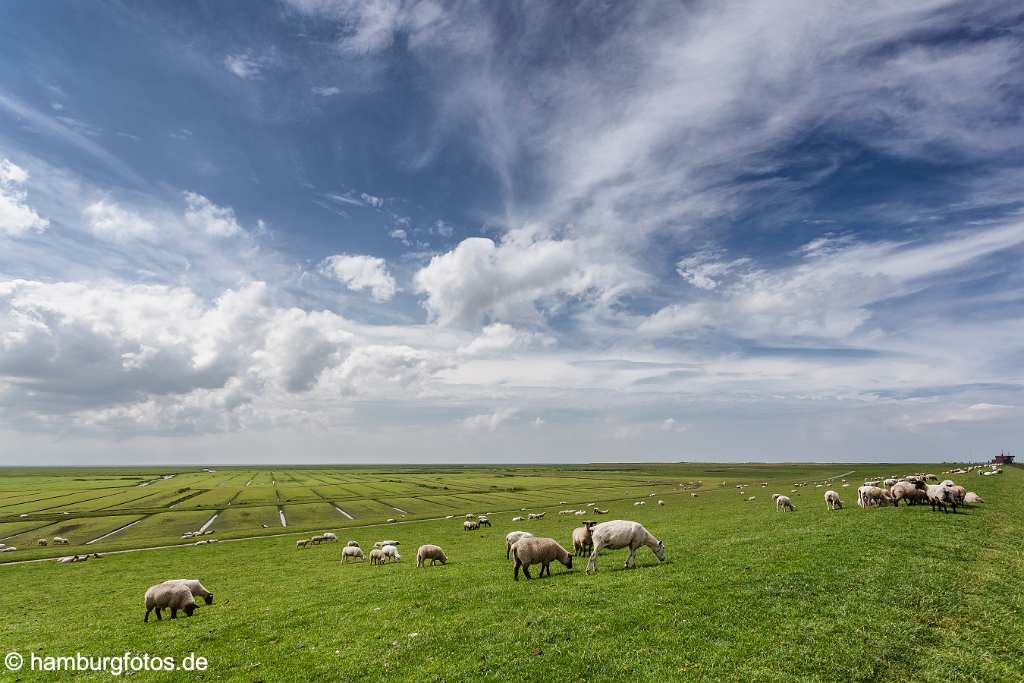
(204, 215)
(501, 337)
(362, 272)
(244, 65)
(326, 91)
(375, 202)
(671, 425)
(703, 268)
(16, 216)
(108, 221)
(401, 235)
(489, 422)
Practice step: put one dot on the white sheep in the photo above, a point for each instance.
(353, 552)
(518, 519)
(542, 551)
(511, 538)
(352, 544)
(599, 511)
(940, 496)
(784, 503)
(173, 596)
(536, 515)
(973, 497)
(483, 520)
(582, 540)
(316, 540)
(381, 544)
(469, 525)
(302, 543)
(623, 534)
(8, 549)
(376, 556)
(328, 536)
(196, 587)
(832, 500)
(640, 502)
(661, 502)
(42, 542)
(60, 540)
(390, 553)
(432, 553)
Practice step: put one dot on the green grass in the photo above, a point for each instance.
(745, 593)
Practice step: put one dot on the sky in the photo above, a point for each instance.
(306, 231)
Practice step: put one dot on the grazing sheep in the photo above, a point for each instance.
(390, 553)
(753, 498)
(930, 477)
(470, 525)
(328, 536)
(302, 543)
(391, 520)
(902, 490)
(833, 501)
(376, 556)
(582, 541)
(354, 552)
(542, 551)
(599, 511)
(482, 520)
(579, 513)
(940, 496)
(42, 542)
(173, 596)
(196, 587)
(623, 534)
(661, 502)
(518, 519)
(640, 502)
(8, 549)
(973, 497)
(512, 537)
(352, 544)
(316, 540)
(432, 553)
(693, 495)
(59, 540)
(784, 503)
(776, 496)
(536, 515)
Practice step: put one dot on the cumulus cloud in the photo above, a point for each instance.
(361, 272)
(501, 337)
(16, 216)
(204, 215)
(489, 422)
(108, 221)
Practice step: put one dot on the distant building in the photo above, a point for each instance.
(1003, 459)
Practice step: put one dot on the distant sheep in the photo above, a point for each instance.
(536, 515)
(432, 553)
(350, 551)
(511, 538)
(784, 503)
(376, 556)
(833, 501)
(302, 543)
(599, 511)
(518, 519)
(640, 502)
(41, 542)
(661, 502)
(352, 544)
(60, 540)
(316, 540)
(469, 525)
(482, 520)
(381, 544)
(542, 551)
(173, 596)
(328, 536)
(390, 553)
(623, 534)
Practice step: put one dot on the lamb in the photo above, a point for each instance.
(352, 551)
(833, 501)
(302, 543)
(542, 551)
(376, 556)
(59, 540)
(623, 534)
(196, 587)
(470, 526)
(432, 553)
(940, 496)
(512, 537)
(170, 595)
(536, 515)
(328, 536)
(582, 541)
(973, 497)
(784, 503)
(390, 554)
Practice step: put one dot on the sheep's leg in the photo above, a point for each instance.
(592, 564)
(515, 571)
(526, 571)
(631, 558)
(174, 612)
(158, 615)
(146, 618)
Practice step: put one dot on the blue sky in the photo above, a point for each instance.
(325, 230)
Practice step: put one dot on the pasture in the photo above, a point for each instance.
(745, 593)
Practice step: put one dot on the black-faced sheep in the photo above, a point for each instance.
(833, 501)
(542, 551)
(196, 587)
(582, 540)
(941, 496)
(173, 596)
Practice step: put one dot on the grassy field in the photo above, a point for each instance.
(745, 593)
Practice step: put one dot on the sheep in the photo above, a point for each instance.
(833, 501)
(661, 502)
(566, 512)
(8, 549)
(470, 526)
(542, 551)
(776, 496)
(512, 537)
(903, 490)
(316, 540)
(302, 543)
(889, 482)
(432, 553)
(352, 551)
(42, 542)
(173, 596)
(352, 544)
(482, 520)
(536, 515)
(390, 553)
(469, 515)
(196, 587)
(328, 536)
(753, 498)
(599, 511)
(391, 520)
(973, 497)
(381, 544)
(582, 541)
(948, 483)
(376, 556)
(959, 493)
(59, 540)
(622, 534)
(518, 519)
(640, 502)
(784, 503)
(940, 496)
